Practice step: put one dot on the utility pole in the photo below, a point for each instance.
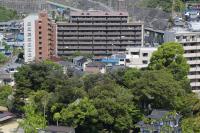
(173, 3)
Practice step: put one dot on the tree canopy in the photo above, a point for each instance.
(112, 102)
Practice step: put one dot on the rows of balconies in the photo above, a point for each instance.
(97, 43)
(103, 27)
(60, 53)
(106, 39)
(91, 47)
(99, 33)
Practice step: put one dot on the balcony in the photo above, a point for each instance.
(195, 69)
(191, 55)
(191, 47)
(193, 62)
(193, 77)
(194, 84)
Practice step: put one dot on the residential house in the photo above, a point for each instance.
(95, 67)
(160, 121)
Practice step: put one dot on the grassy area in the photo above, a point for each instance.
(6, 14)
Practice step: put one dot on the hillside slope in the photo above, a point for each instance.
(6, 15)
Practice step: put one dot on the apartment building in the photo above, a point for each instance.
(25, 6)
(29, 37)
(190, 39)
(45, 37)
(39, 37)
(98, 32)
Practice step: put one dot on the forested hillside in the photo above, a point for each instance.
(166, 5)
(6, 15)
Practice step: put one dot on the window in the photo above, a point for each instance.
(29, 23)
(145, 62)
(40, 32)
(40, 27)
(128, 61)
(40, 48)
(40, 43)
(134, 53)
(40, 53)
(40, 37)
(29, 28)
(29, 50)
(145, 54)
(29, 39)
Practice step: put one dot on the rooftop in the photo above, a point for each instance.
(59, 129)
(98, 13)
(157, 114)
(95, 64)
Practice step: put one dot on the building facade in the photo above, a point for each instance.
(45, 37)
(39, 37)
(191, 44)
(25, 6)
(29, 37)
(99, 33)
(139, 57)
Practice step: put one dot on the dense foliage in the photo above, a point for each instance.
(3, 58)
(112, 102)
(5, 92)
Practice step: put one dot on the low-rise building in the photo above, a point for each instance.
(139, 57)
(95, 67)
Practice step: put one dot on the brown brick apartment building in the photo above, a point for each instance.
(45, 37)
(98, 32)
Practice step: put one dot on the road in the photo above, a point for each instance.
(102, 5)
(62, 6)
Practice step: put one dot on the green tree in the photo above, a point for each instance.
(115, 107)
(5, 91)
(57, 117)
(3, 58)
(33, 77)
(33, 120)
(41, 99)
(169, 56)
(79, 113)
(154, 89)
(191, 125)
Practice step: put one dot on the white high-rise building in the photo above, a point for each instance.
(29, 38)
(190, 40)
